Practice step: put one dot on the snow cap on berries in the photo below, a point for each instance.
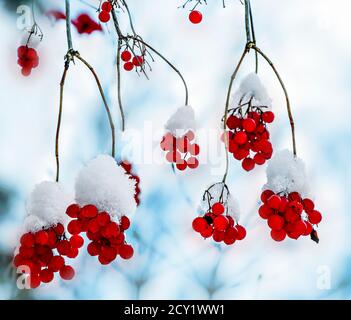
(106, 185)
(181, 121)
(46, 206)
(286, 173)
(252, 86)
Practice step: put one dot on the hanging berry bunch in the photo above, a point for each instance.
(105, 196)
(179, 141)
(44, 246)
(128, 167)
(247, 136)
(134, 56)
(105, 11)
(286, 205)
(219, 219)
(27, 55)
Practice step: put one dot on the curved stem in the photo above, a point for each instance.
(62, 85)
(246, 51)
(288, 106)
(171, 65)
(107, 108)
(129, 17)
(119, 95)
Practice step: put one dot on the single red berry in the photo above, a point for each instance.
(294, 196)
(291, 216)
(74, 227)
(218, 208)
(218, 236)
(46, 275)
(241, 153)
(276, 222)
(194, 149)
(93, 225)
(126, 251)
(190, 135)
(109, 253)
(195, 17)
(138, 61)
(67, 272)
(22, 52)
(314, 217)
(73, 210)
(265, 212)
(274, 202)
(125, 223)
(59, 229)
(278, 235)
(26, 72)
(76, 241)
(249, 125)
(31, 54)
(104, 16)
(41, 237)
(230, 221)
(259, 159)
(300, 227)
(241, 232)
(56, 263)
(248, 164)
(308, 230)
(266, 194)
(128, 66)
(200, 224)
(27, 240)
(229, 241)
(88, 211)
(93, 248)
(126, 56)
(193, 163)
(308, 204)
(221, 223)
(233, 122)
(106, 6)
(34, 281)
(296, 206)
(240, 137)
(181, 165)
(268, 116)
(63, 247)
(207, 232)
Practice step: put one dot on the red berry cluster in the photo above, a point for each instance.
(107, 237)
(195, 16)
(27, 59)
(129, 170)
(37, 253)
(181, 151)
(289, 215)
(130, 62)
(248, 137)
(219, 226)
(105, 13)
(85, 24)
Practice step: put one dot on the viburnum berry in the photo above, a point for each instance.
(126, 56)
(274, 202)
(278, 235)
(138, 61)
(241, 232)
(104, 16)
(73, 210)
(200, 224)
(240, 137)
(46, 275)
(67, 272)
(76, 241)
(268, 116)
(41, 237)
(56, 263)
(249, 125)
(314, 217)
(125, 223)
(27, 59)
(218, 208)
(221, 223)
(107, 6)
(128, 66)
(276, 222)
(126, 251)
(195, 17)
(248, 164)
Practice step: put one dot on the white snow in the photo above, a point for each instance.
(287, 173)
(252, 86)
(46, 206)
(181, 121)
(106, 185)
(229, 201)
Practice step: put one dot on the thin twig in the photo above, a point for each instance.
(68, 26)
(119, 95)
(288, 106)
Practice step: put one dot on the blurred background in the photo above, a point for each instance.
(309, 41)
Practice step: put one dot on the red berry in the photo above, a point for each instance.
(27, 240)
(291, 216)
(67, 272)
(220, 223)
(59, 229)
(74, 227)
(194, 149)
(128, 66)
(218, 236)
(248, 164)
(190, 135)
(88, 211)
(73, 210)
(104, 16)
(182, 144)
(181, 165)
(266, 195)
(126, 56)
(241, 232)
(294, 196)
(308, 230)
(56, 263)
(63, 247)
(233, 122)
(308, 204)
(108, 253)
(218, 208)
(173, 156)
(103, 218)
(126, 251)
(268, 116)
(265, 212)
(300, 227)
(26, 72)
(76, 241)
(249, 125)
(241, 153)
(274, 202)
(93, 248)
(41, 237)
(278, 235)
(125, 223)
(34, 281)
(200, 224)
(195, 17)
(31, 54)
(22, 52)
(46, 276)
(230, 221)
(106, 6)
(93, 225)
(276, 222)
(240, 137)
(314, 217)
(138, 61)
(207, 232)
(193, 163)
(259, 159)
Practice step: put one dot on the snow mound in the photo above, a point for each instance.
(285, 173)
(46, 206)
(217, 192)
(181, 121)
(106, 185)
(252, 87)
